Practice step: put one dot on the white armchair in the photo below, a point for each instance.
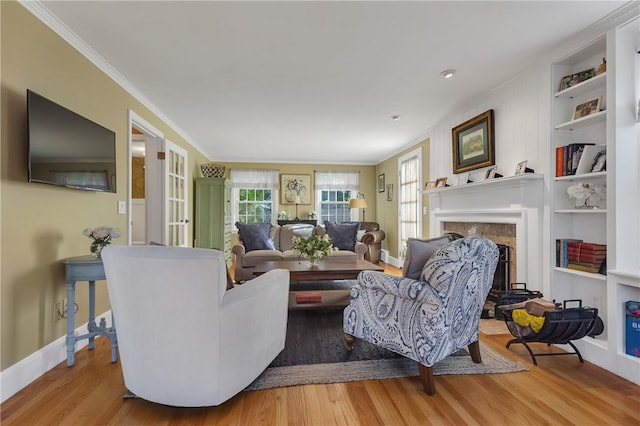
(183, 339)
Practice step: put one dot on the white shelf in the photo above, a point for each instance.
(495, 183)
(581, 211)
(589, 120)
(596, 277)
(582, 176)
(584, 87)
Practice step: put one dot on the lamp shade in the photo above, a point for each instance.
(357, 203)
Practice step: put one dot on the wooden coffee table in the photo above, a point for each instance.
(327, 269)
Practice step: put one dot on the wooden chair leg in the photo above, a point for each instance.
(349, 340)
(426, 377)
(474, 351)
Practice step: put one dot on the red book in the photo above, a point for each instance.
(308, 297)
(587, 246)
(587, 258)
(560, 161)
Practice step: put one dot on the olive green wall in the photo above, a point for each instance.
(387, 211)
(42, 224)
(367, 183)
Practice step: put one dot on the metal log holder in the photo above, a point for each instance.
(561, 326)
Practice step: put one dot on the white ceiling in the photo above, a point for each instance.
(301, 81)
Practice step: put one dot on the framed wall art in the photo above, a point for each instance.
(295, 189)
(381, 183)
(474, 143)
(390, 192)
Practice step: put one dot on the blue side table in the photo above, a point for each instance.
(86, 268)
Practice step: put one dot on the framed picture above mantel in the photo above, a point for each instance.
(473, 143)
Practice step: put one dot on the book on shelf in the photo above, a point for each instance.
(584, 268)
(586, 258)
(308, 297)
(580, 245)
(562, 251)
(568, 157)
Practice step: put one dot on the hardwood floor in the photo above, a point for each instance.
(560, 391)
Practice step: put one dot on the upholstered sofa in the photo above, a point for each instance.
(281, 237)
(371, 235)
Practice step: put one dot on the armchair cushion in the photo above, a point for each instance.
(343, 235)
(255, 236)
(418, 253)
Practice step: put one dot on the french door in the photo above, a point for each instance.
(176, 195)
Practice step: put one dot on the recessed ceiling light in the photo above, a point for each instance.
(395, 117)
(448, 73)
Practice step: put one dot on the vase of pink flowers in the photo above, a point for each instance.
(101, 237)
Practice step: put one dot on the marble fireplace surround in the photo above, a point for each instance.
(506, 210)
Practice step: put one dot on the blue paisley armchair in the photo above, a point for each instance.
(427, 319)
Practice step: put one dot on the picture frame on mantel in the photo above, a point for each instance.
(473, 143)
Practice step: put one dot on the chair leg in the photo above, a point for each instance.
(426, 377)
(349, 340)
(474, 351)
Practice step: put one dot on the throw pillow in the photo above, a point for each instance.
(343, 235)
(418, 252)
(255, 236)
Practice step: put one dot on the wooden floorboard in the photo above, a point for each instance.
(560, 391)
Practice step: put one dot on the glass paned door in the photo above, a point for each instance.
(176, 200)
(409, 178)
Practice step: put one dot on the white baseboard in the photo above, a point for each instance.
(393, 261)
(25, 371)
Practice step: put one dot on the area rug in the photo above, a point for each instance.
(315, 353)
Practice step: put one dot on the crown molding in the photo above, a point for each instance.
(40, 11)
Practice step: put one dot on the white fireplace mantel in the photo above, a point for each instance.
(514, 200)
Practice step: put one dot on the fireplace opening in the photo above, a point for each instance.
(501, 280)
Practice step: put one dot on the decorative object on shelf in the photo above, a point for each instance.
(592, 159)
(441, 182)
(463, 178)
(599, 162)
(573, 79)
(603, 67)
(390, 192)
(381, 182)
(282, 215)
(586, 108)
(295, 189)
(586, 195)
(358, 203)
(313, 248)
(474, 143)
(312, 215)
(210, 170)
(101, 237)
(492, 173)
(430, 185)
(522, 168)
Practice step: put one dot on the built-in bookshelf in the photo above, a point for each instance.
(610, 221)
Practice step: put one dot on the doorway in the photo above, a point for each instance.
(409, 200)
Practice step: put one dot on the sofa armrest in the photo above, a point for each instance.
(360, 249)
(373, 237)
(239, 252)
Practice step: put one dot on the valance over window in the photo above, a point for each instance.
(254, 178)
(337, 181)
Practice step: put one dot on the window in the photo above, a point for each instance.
(254, 205)
(409, 167)
(334, 190)
(253, 195)
(334, 206)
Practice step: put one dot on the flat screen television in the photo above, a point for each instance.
(66, 149)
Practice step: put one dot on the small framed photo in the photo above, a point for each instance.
(586, 108)
(463, 178)
(491, 173)
(573, 79)
(430, 185)
(521, 167)
(381, 183)
(389, 192)
(441, 182)
(600, 162)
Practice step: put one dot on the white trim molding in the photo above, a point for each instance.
(22, 373)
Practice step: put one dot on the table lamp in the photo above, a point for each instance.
(358, 203)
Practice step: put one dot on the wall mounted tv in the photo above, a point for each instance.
(66, 149)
